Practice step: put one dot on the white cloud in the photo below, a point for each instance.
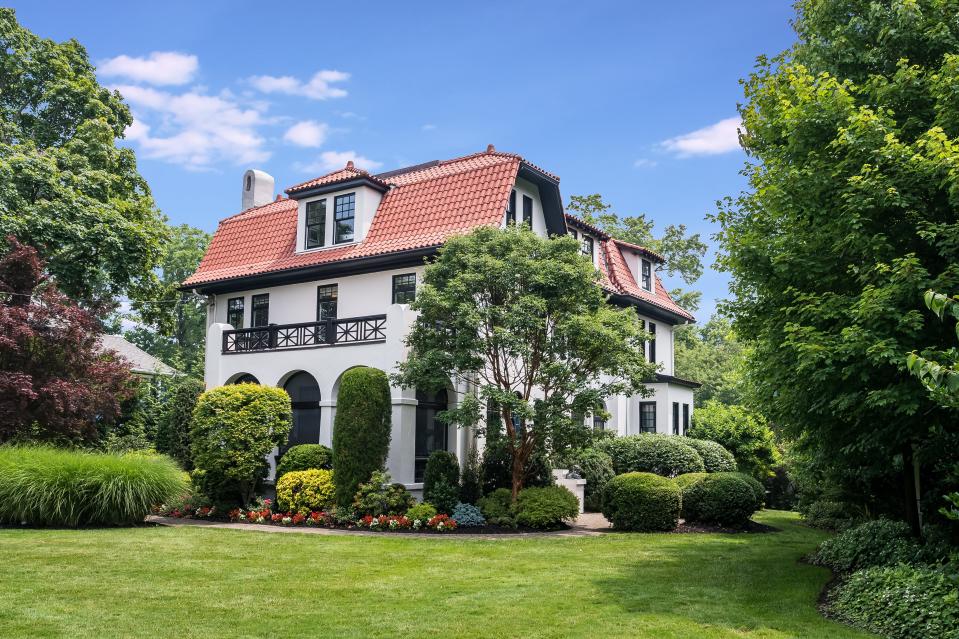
(307, 133)
(160, 67)
(714, 139)
(645, 163)
(319, 87)
(428, 127)
(334, 160)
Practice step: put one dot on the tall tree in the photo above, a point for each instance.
(523, 319)
(683, 252)
(712, 355)
(65, 187)
(851, 215)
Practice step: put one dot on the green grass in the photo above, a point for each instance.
(195, 582)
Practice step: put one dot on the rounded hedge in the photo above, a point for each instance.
(303, 491)
(665, 455)
(546, 507)
(305, 457)
(44, 486)
(596, 467)
(719, 498)
(641, 501)
(874, 543)
(361, 430)
(716, 459)
(759, 491)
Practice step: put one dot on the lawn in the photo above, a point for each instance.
(194, 582)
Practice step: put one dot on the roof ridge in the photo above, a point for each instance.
(444, 175)
(640, 247)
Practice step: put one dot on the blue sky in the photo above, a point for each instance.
(632, 100)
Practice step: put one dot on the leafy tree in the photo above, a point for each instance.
(684, 253)
(55, 384)
(180, 395)
(65, 187)
(523, 318)
(712, 355)
(742, 432)
(851, 212)
(938, 370)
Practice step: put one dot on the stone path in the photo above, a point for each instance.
(587, 525)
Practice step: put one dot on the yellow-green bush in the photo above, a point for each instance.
(303, 491)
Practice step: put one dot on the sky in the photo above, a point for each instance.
(632, 100)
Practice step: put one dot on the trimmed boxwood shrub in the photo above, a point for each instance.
(361, 430)
(305, 457)
(719, 498)
(874, 543)
(44, 486)
(902, 602)
(759, 491)
(303, 491)
(716, 459)
(596, 467)
(641, 501)
(546, 508)
(664, 455)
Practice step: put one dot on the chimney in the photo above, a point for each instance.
(257, 188)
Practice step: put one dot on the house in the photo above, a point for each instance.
(141, 362)
(305, 286)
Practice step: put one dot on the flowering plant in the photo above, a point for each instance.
(277, 518)
(441, 523)
(384, 522)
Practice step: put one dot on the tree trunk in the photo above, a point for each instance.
(910, 476)
(518, 471)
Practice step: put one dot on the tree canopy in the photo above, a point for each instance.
(712, 355)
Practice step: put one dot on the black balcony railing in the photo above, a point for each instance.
(349, 330)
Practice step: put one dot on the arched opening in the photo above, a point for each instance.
(245, 378)
(304, 395)
(431, 433)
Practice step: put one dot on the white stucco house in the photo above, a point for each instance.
(303, 287)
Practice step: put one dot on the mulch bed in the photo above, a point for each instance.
(751, 527)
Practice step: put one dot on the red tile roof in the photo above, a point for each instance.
(341, 175)
(617, 271)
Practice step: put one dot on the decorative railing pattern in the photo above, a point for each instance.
(349, 330)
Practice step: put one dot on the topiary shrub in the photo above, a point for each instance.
(442, 467)
(830, 515)
(305, 457)
(468, 516)
(716, 459)
(497, 507)
(174, 421)
(379, 497)
(641, 501)
(234, 428)
(424, 512)
(471, 479)
(43, 486)
(596, 467)
(664, 455)
(683, 482)
(719, 498)
(303, 491)
(361, 430)
(901, 602)
(546, 507)
(759, 491)
(874, 543)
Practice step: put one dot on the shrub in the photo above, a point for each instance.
(471, 479)
(742, 432)
(546, 507)
(716, 459)
(719, 498)
(641, 501)
(43, 486)
(234, 428)
(830, 515)
(173, 425)
(361, 429)
(664, 455)
(899, 602)
(874, 543)
(596, 467)
(303, 491)
(688, 479)
(424, 512)
(497, 466)
(443, 495)
(305, 457)
(468, 516)
(497, 504)
(442, 467)
(378, 496)
(759, 492)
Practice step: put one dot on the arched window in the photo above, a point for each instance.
(304, 395)
(246, 378)
(431, 433)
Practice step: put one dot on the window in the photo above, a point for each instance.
(528, 210)
(685, 418)
(315, 224)
(574, 234)
(234, 312)
(260, 314)
(647, 417)
(344, 216)
(675, 418)
(326, 302)
(598, 422)
(431, 433)
(587, 246)
(404, 288)
(652, 343)
(648, 275)
(511, 208)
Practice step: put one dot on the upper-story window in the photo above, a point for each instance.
(528, 210)
(344, 217)
(652, 343)
(587, 246)
(648, 275)
(326, 297)
(511, 208)
(234, 312)
(573, 234)
(315, 223)
(404, 288)
(260, 312)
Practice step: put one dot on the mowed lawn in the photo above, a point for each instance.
(194, 582)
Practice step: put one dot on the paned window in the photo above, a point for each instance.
(344, 217)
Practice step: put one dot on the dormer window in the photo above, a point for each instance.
(528, 210)
(648, 275)
(511, 208)
(587, 246)
(344, 218)
(315, 224)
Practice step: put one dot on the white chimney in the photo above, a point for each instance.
(257, 188)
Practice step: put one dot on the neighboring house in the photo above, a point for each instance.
(141, 362)
(305, 287)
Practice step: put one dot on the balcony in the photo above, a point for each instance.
(331, 332)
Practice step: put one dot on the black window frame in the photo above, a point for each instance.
(528, 210)
(587, 241)
(330, 301)
(598, 422)
(647, 275)
(337, 220)
(644, 417)
(408, 293)
(511, 208)
(258, 303)
(230, 312)
(675, 418)
(685, 418)
(652, 343)
(320, 225)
